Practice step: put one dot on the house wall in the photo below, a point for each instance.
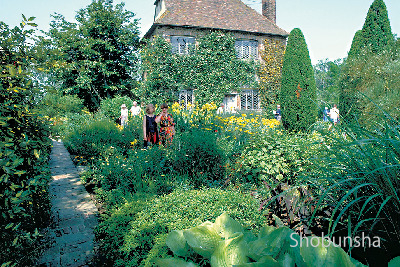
(167, 31)
(234, 98)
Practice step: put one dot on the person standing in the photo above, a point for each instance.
(277, 113)
(124, 115)
(135, 109)
(150, 133)
(167, 125)
(220, 110)
(325, 114)
(334, 114)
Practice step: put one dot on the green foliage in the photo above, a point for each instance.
(91, 139)
(197, 154)
(277, 158)
(226, 243)
(375, 39)
(95, 58)
(376, 31)
(111, 107)
(327, 75)
(54, 105)
(356, 45)
(212, 69)
(298, 89)
(144, 240)
(359, 180)
(24, 152)
(271, 72)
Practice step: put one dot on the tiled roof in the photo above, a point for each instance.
(216, 14)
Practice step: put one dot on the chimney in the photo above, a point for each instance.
(269, 9)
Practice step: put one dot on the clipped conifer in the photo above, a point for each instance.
(376, 31)
(374, 37)
(298, 88)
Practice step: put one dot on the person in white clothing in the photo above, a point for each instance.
(220, 110)
(334, 114)
(135, 109)
(124, 115)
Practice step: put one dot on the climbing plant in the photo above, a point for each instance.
(211, 69)
(270, 71)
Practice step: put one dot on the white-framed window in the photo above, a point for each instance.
(182, 44)
(249, 100)
(246, 49)
(186, 97)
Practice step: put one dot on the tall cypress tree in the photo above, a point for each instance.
(376, 31)
(374, 37)
(298, 88)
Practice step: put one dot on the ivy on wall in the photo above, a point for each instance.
(211, 69)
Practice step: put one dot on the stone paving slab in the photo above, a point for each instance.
(74, 215)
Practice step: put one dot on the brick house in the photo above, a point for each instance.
(181, 22)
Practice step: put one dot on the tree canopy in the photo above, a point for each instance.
(95, 58)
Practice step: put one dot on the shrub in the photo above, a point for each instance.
(93, 137)
(138, 171)
(197, 154)
(111, 107)
(277, 157)
(144, 239)
(56, 105)
(24, 153)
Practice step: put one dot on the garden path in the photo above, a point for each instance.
(74, 215)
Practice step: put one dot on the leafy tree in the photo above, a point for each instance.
(95, 58)
(298, 88)
(271, 71)
(212, 69)
(327, 75)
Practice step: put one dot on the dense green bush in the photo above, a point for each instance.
(90, 139)
(56, 105)
(197, 154)
(278, 157)
(144, 240)
(139, 171)
(24, 154)
(111, 107)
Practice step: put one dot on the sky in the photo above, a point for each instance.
(328, 25)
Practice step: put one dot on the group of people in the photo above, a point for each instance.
(152, 134)
(333, 114)
(135, 111)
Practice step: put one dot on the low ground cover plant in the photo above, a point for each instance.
(226, 243)
(143, 241)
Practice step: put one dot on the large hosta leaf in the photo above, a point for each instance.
(226, 226)
(177, 243)
(270, 243)
(203, 239)
(232, 251)
(263, 262)
(318, 251)
(394, 262)
(174, 262)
